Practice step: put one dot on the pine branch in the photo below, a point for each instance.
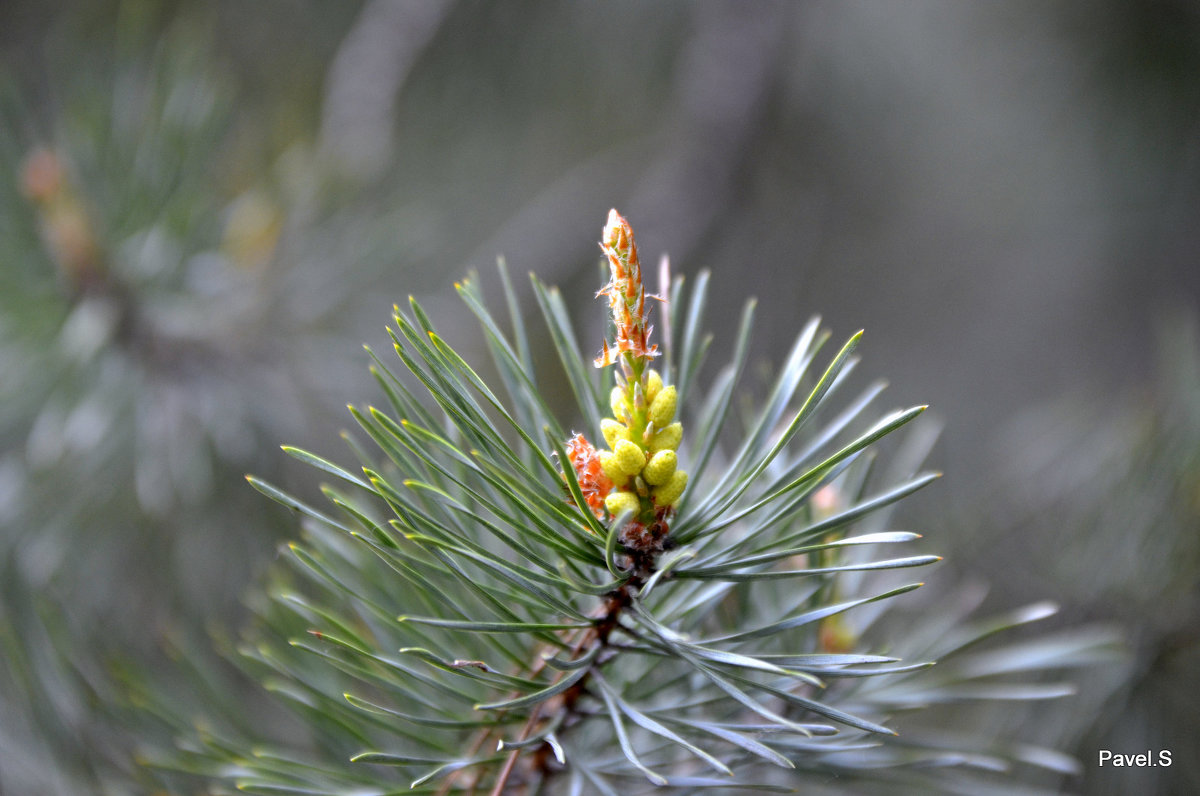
(494, 611)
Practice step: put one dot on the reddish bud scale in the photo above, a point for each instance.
(593, 483)
(647, 538)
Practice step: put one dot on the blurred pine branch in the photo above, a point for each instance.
(164, 295)
(1110, 492)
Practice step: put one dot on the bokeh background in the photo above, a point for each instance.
(205, 208)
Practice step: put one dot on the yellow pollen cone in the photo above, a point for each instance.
(613, 431)
(669, 493)
(618, 502)
(629, 457)
(662, 408)
(667, 439)
(660, 468)
(608, 463)
(654, 384)
(620, 406)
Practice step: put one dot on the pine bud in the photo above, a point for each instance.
(660, 468)
(669, 493)
(626, 295)
(662, 408)
(654, 384)
(618, 502)
(629, 457)
(613, 431)
(668, 438)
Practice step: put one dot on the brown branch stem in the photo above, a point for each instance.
(580, 641)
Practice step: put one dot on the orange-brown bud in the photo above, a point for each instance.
(41, 175)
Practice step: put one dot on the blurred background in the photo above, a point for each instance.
(205, 209)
